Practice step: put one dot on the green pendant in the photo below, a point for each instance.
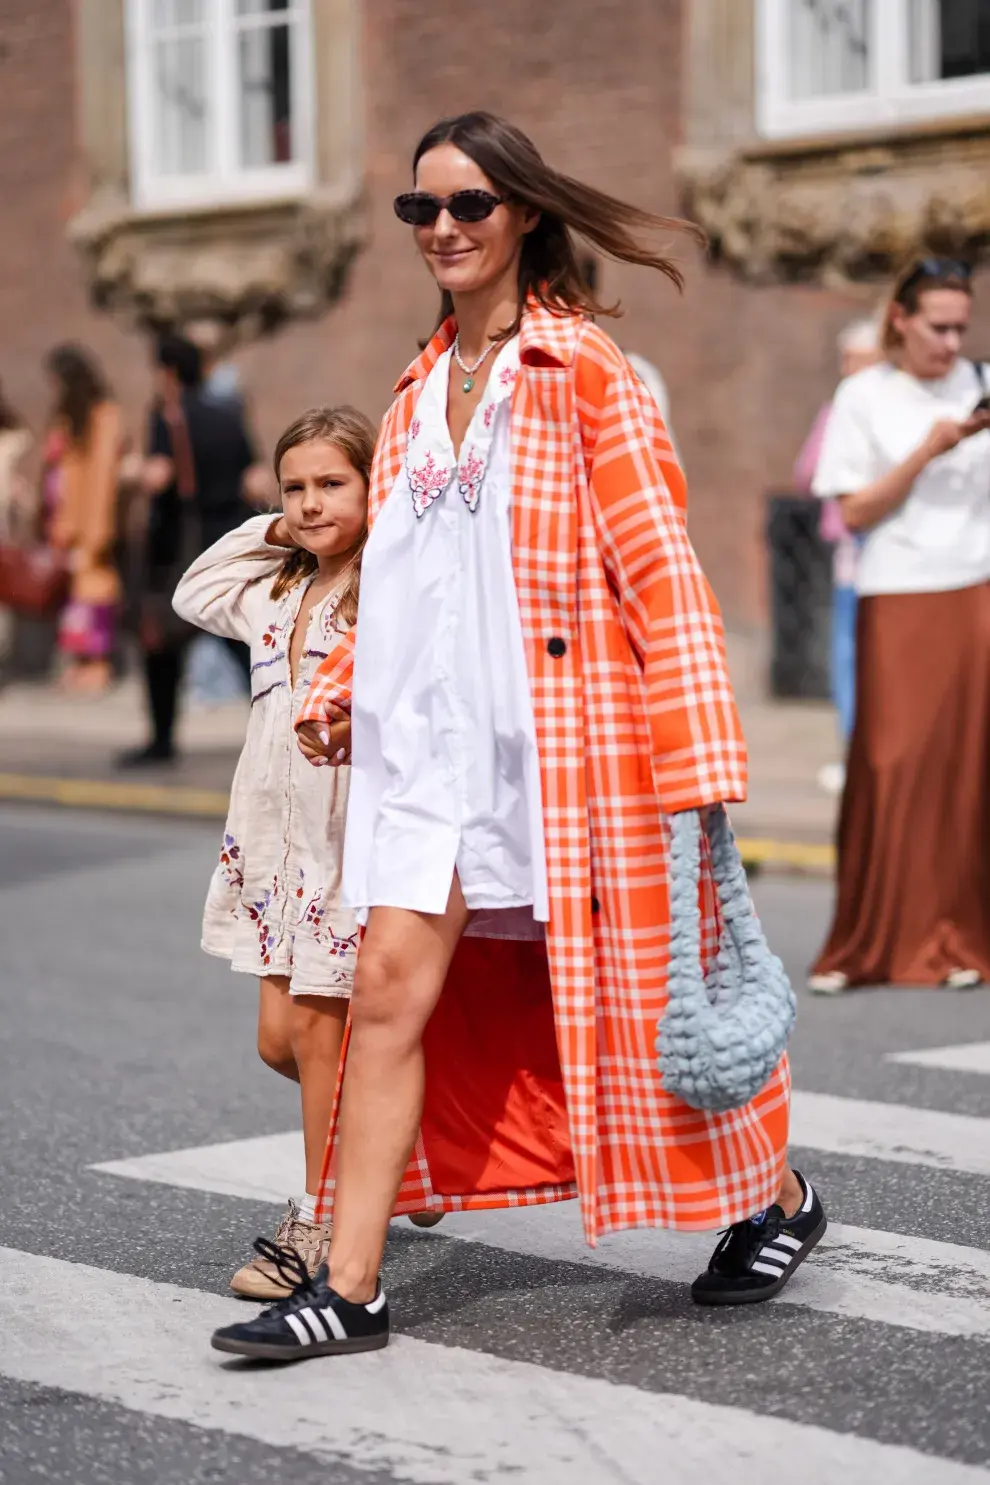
(468, 385)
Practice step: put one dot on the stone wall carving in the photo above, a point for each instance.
(844, 209)
(252, 266)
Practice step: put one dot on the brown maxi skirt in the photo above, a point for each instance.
(913, 897)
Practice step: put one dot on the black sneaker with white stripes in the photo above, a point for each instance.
(314, 1320)
(755, 1259)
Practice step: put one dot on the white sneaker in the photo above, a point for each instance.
(962, 979)
(830, 984)
(832, 778)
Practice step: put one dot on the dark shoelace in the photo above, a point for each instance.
(291, 1268)
(741, 1244)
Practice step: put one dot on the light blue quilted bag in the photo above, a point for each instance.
(722, 1033)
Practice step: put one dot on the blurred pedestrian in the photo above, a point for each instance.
(858, 346)
(288, 585)
(17, 515)
(83, 458)
(907, 455)
(198, 454)
(220, 378)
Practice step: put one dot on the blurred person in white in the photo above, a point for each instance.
(907, 455)
(858, 346)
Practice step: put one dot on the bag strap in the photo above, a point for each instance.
(728, 871)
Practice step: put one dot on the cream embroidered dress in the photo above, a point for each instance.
(273, 906)
(446, 771)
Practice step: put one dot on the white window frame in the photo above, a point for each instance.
(228, 183)
(890, 99)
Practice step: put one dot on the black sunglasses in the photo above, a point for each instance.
(935, 269)
(421, 208)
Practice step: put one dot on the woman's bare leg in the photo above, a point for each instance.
(274, 1038)
(316, 1030)
(400, 973)
(791, 1194)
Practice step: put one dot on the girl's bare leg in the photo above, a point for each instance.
(400, 974)
(316, 1030)
(274, 1036)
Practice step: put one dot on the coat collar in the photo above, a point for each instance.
(544, 339)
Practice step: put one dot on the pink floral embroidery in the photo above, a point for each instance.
(489, 414)
(427, 483)
(507, 377)
(470, 475)
(414, 428)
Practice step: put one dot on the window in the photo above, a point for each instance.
(219, 94)
(825, 65)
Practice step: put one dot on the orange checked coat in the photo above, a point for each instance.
(542, 1077)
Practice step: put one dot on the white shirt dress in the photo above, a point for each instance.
(274, 904)
(446, 773)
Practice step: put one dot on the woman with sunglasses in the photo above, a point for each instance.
(538, 674)
(907, 454)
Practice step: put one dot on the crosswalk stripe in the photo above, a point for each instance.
(968, 1057)
(430, 1414)
(889, 1278)
(891, 1131)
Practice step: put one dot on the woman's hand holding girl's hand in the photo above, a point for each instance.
(330, 742)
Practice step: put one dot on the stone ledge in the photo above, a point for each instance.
(843, 208)
(254, 266)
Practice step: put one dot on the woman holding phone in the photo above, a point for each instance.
(907, 455)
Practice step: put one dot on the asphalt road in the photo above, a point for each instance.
(517, 1356)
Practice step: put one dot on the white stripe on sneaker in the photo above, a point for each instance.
(770, 1255)
(314, 1322)
(809, 1197)
(335, 1323)
(377, 1303)
(301, 1333)
(766, 1268)
(784, 1239)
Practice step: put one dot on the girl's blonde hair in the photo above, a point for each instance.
(354, 435)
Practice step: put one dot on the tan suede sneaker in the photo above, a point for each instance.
(261, 1280)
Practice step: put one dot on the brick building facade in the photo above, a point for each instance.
(622, 94)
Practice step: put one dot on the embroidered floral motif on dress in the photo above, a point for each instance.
(231, 871)
(427, 482)
(428, 451)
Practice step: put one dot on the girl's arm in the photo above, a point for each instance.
(212, 593)
(666, 607)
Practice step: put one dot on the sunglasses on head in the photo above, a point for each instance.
(936, 269)
(421, 208)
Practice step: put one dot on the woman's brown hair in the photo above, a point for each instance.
(915, 280)
(81, 387)
(354, 435)
(549, 269)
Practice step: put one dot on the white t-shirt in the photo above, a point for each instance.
(939, 539)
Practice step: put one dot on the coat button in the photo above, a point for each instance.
(596, 906)
(556, 647)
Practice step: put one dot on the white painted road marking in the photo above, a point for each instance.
(857, 1272)
(891, 1131)
(971, 1057)
(432, 1415)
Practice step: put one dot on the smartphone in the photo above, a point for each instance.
(983, 406)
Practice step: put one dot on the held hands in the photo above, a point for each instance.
(328, 742)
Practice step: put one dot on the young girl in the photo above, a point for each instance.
(288, 586)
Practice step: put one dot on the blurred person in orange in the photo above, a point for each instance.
(907, 455)
(83, 458)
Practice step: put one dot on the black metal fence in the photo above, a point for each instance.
(800, 598)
